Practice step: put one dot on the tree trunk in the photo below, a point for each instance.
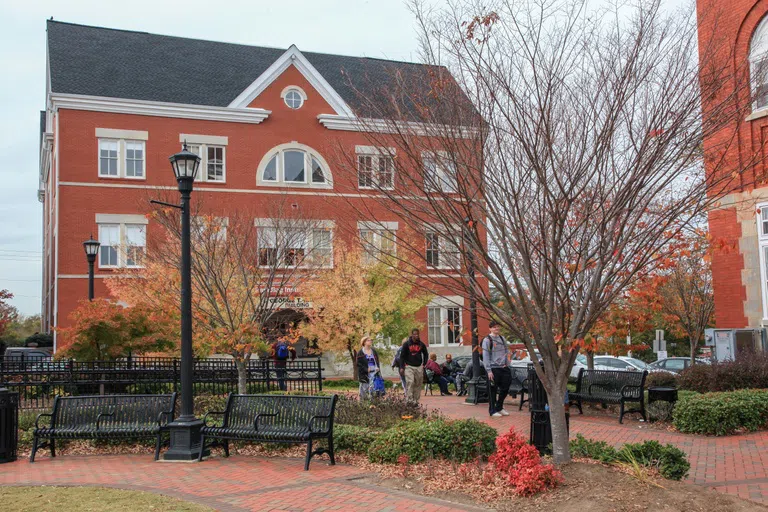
(242, 376)
(561, 453)
(590, 360)
(353, 358)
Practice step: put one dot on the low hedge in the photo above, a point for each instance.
(749, 372)
(458, 441)
(670, 461)
(722, 413)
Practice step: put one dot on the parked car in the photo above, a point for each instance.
(675, 364)
(462, 361)
(627, 364)
(581, 362)
(27, 353)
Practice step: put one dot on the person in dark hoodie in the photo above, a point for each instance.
(413, 357)
(367, 367)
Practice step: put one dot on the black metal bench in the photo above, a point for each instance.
(519, 383)
(611, 387)
(274, 419)
(105, 417)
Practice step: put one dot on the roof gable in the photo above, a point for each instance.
(293, 57)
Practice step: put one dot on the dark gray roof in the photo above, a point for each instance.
(114, 63)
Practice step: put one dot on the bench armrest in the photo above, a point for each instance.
(212, 413)
(98, 418)
(318, 417)
(629, 386)
(37, 425)
(262, 415)
(160, 418)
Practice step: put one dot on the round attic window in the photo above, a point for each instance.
(294, 97)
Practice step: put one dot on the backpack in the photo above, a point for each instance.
(282, 351)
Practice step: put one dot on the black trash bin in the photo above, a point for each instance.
(9, 425)
(541, 425)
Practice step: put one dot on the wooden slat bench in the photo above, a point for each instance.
(611, 387)
(274, 419)
(519, 383)
(105, 417)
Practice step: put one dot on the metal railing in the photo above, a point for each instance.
(39, 381)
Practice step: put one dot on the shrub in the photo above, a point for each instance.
(521, 463)
(380, 413)
(352, 438)
(744, 373)
(459, 441)
(722, 413)
(597, 450)
(207, 403)
(660, 379)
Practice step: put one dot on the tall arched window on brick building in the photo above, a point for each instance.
(758, 65)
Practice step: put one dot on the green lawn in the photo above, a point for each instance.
(70, 499)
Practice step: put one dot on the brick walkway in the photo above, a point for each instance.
(734, 464)
(236, 484)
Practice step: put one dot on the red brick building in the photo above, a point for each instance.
(738, 29)
(265, 122)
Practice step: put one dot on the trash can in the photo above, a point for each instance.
(541, 425)
(9, 425)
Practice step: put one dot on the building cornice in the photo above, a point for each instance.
(358, 124)
(157, 108)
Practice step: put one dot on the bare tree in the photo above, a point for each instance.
(241, 267)
(572, 138)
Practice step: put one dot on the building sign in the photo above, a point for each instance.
(290, 303)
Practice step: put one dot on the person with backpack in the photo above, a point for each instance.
(282, 352)
(413, 357)
(396, 364)
(497, 366)
(369, 370)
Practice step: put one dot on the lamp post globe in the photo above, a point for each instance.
(185, 430)
(91, 247)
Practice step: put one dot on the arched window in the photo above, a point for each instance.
(758, 65)
(294, 165)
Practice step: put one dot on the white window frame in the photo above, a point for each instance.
(442, 249)
(309, 154)
(379, 231)
(121, 221)
(294, 89)
(762, 241)
(200, 223)
(309, 241)
(376, 154)
(122, 159)
(203, 142)
(758, 57)
(442, 305)
(438, 160)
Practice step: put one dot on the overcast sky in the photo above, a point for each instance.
(373, 28)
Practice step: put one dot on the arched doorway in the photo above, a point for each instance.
(281, 323)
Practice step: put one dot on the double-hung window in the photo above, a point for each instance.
(375, 167)
(122, 153)
(444, 321)
(123, 240)
(378, 239)
(758, 65)
(441, 251)
(762, 232)
(439, 172)
(292, 246)
(206, 228)
(212, 150)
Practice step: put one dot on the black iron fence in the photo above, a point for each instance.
(39, 381)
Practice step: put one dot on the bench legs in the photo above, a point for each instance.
(578, 404)
(309, 455)
(202, 448)
(35, 443)
(157, 445)
(641, 410)
(226, 447)
(522, 400)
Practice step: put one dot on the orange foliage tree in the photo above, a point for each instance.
(102, 330)
(8, 313)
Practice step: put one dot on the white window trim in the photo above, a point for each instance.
(378, 229)
(441, 250)
(314, 225)
(109, 133)
(443, 303)
(200, 222)
(202, 170)
(294, 88)
(121, 155)
(437, 157)
(196, 139)
(309, 153)
(762, 242)
(375, 153)
(760, 29)
(121, 220)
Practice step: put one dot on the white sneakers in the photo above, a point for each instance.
(496, 415)
(504, 412)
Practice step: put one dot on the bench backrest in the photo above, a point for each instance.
(293, 412)
(610, 382)
(126, 410)
(519, 379)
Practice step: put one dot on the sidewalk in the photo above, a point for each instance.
(734, 464)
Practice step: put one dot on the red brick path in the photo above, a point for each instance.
(734, 464)
(239, 483)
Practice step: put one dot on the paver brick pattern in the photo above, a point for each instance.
(733, 464)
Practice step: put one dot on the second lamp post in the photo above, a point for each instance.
(91, 251)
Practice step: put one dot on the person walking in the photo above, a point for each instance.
(497, 366)
(282, 352)
(437, 375)
(413, 357)
(367, 367)
(396, 365)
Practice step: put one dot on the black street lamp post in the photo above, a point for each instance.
(475, 384)
(91, 250)
(185, 430)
